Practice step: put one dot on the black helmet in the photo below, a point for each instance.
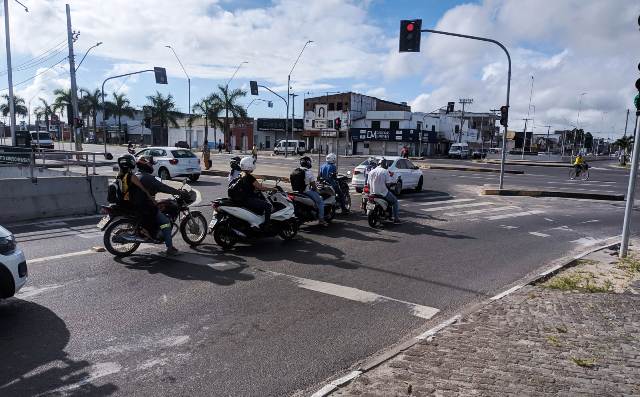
(126, 162)
(235, 163)
(383, 163)
(145, 164)
(305, 162)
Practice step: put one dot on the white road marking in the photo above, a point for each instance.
(564, 228)
(505, 293)
(514, 215)
(448, 201)
(549, 220)
(451, 207)
(481, 211)
(508, 227)
(29, 291)
(332, 386)
(538, 234)
(61, 256)
(96, 371)
(60, 220)
(591, 221)
(587, 241)
(355, 294)
(90, 235)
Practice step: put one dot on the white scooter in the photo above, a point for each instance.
(231, 222)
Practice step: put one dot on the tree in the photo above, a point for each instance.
(163, 110)
(90, 105)
(119, 107)
(62, 101)
(208, 110)
(624, 144)
(588, 141)
(18, 106)
(45, 110)
(226, 100)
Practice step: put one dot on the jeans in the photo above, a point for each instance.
(259, 206)
(339, 195)
(315, 196)
(165, 227)
(394, 204)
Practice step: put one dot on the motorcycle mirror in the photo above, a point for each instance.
(348, 173)
(115, 168)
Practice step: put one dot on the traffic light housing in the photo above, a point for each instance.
(337, 123)
(253, 85)
(410, 35)
(504, 115)
(450, 106)
(161, 75)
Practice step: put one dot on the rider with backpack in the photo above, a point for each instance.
(243, 191)
(234, 163)
(134, 196)
(303, 181)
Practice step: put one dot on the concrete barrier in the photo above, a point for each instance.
(21, 199)
(24, 171)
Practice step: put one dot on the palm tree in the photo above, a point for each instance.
(45, 110)
(163, 110)
(227, 100)
(91, 105)
(624, 143)
(208, 110)
(62, 101)
(18, 106)
(118, 108)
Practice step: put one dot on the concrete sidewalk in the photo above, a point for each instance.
(574, 334)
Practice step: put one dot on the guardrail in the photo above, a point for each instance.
(24, 156)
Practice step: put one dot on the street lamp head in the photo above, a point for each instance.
(168, 46)
(98, 43)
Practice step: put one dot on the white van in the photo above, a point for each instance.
(294, 146)
(459, 150)
(41, 139)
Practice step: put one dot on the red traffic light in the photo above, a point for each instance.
(410, 27)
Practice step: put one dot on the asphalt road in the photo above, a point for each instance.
(276, 318)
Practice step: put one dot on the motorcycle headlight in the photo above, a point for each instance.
(7, 245)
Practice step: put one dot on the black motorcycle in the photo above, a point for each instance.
(123, 231)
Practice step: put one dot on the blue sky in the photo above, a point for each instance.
(562, 44)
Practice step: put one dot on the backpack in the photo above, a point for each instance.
(236, 191)
(297, 178)
(114, 192)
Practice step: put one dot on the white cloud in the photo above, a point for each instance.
(379, 92)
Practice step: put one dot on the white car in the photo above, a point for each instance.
(172, 162)
(406, 174)
(13, 266)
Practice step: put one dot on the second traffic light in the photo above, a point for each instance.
(504, 115)
(410, 35)
(161, 75)
(254, 87)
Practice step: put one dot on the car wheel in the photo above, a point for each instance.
(398, 189)
(276, 152)
(358, 190)
(420, 183)
(7, 287)
(194, 177)
(164, 174)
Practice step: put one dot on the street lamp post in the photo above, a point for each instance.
(187, 136)
(226, 108)
(87, 53)
(286, 135)
(578, 117)
(12, 109)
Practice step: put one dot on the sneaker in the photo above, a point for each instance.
(171, 251)
(397, 221)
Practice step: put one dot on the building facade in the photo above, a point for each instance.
(268, 131)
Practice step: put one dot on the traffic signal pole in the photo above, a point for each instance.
(74, 86)
(504, 135)
(624, 245)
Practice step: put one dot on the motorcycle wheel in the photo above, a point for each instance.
(193, 228)
(115, 229)
(373, 218)
(289, 230)
(347, 201)
(329, 213)
(224, 236)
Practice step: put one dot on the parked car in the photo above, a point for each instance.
(173, 162)
(291, 146)
(460, 151)
(406, 175)
(13, 266)
(41, 140)
(479, 153)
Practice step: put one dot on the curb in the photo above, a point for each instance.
(257, 176)
(530, 164)
(472, 169)
(565, 262)
(552, 193)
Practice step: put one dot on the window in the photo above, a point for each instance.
(394, 125)
(306, 121)
(182, 154)
(457, 129)
(375, 125)
(329, 123)
(157, 153)
(433, 128)
(332, 106)
(419, 126)
(410, 165)
(313, 124)
(339, 106)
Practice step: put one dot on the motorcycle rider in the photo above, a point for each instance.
(311, 189)
(371, 164)
(250, 186)
(131, 148)
(154, 186)
(234, 163)
(135, 196)
(329, 172)
(379, 178)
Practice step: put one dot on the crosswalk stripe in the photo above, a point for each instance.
(447, 201)
(514, 215)
(481, 211)
(450, 207)
(538, 234)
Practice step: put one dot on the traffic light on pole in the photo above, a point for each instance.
(161, 75)
(254, 87)
(337, 123)
(410, 35)
(504, 115)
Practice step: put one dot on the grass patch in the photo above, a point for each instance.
(584, 362)
(631, 264)
(562, 329)
(581, 281)
(553, 340)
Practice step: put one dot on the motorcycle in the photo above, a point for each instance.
(231, 222)
(123, 232)
(343, 182)
(306, 209)
(377, 208)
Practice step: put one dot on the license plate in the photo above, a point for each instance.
(103, 221)
(371, 206)
(213, 222)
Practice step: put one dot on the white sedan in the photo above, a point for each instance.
(406, 174)
(13, 266)
(172, 162)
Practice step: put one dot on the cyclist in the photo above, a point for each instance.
(579, 164)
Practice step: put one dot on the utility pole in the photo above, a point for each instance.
(524, 136)
(624, 245)
(12, 110)
(74, 87)
(463, 101)
(293, 118)
(625, 123)
(548, 146)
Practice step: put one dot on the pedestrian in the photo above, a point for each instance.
(404, 152)
(229, 147)
(206, 155)
(254, 153)
(261, 146)
(219, 146)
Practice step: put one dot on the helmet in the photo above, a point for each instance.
(383, 163)
(126, 162)
(234, 163)
(305, 162)
(331, 158)
(247, 164)
(145, 164)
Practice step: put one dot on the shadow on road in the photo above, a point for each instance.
(32, 342)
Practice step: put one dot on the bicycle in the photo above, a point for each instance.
(581, 173)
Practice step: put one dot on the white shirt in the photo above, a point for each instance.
(309, 178)
(233, 175)
(378, 180)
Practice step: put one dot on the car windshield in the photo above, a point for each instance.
(42, 135)
(182, 154)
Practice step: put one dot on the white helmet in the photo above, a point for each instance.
(247, 164)
(331, 158)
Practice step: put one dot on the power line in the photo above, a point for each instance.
(44, 54)
(37, 74)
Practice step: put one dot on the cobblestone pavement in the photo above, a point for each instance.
(536, 341)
